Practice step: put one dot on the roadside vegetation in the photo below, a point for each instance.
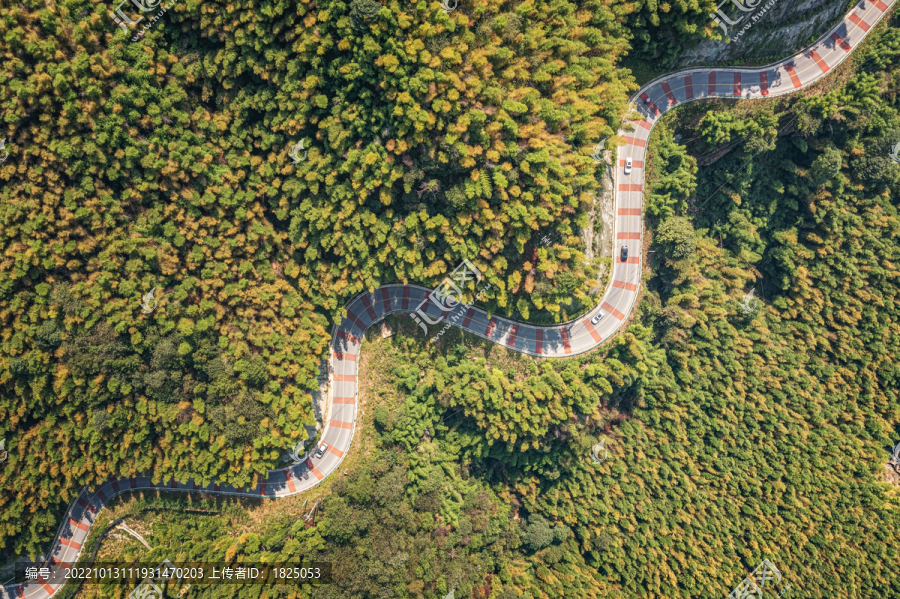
(157, 173)
(169, 275)
(737, 431)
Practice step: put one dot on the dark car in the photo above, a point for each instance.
(624, 253)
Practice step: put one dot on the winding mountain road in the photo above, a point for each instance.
(652, 101)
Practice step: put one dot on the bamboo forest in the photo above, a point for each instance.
(192, 201)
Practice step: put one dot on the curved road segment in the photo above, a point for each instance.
(654, 99)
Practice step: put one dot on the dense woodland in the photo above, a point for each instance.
(431, 138)
(734, 436)
(162, 165)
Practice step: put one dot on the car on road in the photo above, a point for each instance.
(628, 166)
(323, 447)
(624, 253)
(647, 100)
(598, 317)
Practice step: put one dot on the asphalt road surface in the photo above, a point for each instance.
(568, 339)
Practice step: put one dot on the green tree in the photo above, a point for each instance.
(676, 236)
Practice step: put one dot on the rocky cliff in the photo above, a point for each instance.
(769, 29)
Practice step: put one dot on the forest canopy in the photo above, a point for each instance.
(161, 167)
(153, 169)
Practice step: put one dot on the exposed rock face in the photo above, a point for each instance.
(598, 236)
(780, 28)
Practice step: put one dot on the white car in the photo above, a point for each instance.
(598, 317)
(323, 447)
(628, 166)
